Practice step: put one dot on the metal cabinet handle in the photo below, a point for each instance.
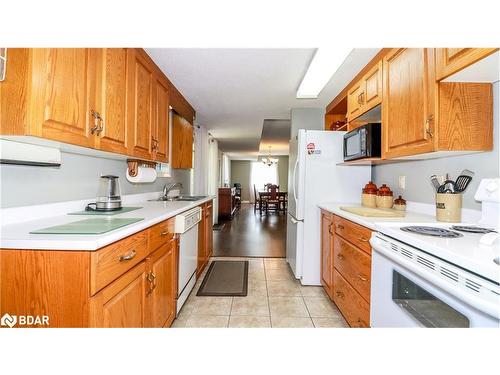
(340, 257)
(340, 295)
(330, 229)
(362, 239)
(163, 233)
(128, 256)
(361, 277)
(339, 226)
(151, 278)
(98, 122)
(428, 125)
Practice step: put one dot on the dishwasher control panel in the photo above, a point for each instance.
(187, 220)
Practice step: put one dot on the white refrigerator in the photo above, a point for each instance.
(314, 177)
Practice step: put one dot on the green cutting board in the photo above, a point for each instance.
(89, 226)
(105, 213)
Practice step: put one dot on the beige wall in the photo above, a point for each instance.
(240, 172)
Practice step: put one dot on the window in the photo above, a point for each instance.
(261, 174)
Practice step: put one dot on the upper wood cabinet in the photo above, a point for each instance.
(140, 104)
(408, 112)
(160, 137)
(111, 99)
(365, 93)
(451, 60)
(62, 93)
(182, 142)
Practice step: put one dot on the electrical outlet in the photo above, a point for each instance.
(402, 182)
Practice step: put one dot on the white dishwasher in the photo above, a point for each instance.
(186, 225)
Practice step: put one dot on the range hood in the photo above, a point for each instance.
(19, 153)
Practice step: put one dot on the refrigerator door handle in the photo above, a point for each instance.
(295, 179)
(294, 220)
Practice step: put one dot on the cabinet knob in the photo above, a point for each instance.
(340, 226)
(361, 277)
(340, 257)
(340, 295)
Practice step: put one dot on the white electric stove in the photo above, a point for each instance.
(438, 275)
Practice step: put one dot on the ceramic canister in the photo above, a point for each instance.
(449, 207)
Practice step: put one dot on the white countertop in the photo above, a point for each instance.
(15, 234)
(371, 222)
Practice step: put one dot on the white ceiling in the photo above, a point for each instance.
(234, 90)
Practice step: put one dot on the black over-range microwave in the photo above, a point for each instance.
(363, 142)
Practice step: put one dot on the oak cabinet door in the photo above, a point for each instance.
(202, 241)
(209, 232)
(62, 93)
(140, 104)
(122, 303)
(372, 83)
(408, 109)
(161, 291)
(182, 143)
(354, 101)
(452, 60)
(326, 253)
(161, 118)
(112, 66)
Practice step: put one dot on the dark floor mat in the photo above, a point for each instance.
(225, 278)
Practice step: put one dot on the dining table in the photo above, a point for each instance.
(281, 195)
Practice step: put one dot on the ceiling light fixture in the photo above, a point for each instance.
(269, 160)
(325, 63)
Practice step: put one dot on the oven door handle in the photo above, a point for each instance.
(487, 307)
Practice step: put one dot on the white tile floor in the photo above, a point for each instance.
(275, 299)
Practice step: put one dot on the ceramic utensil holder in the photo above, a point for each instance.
(449, 207)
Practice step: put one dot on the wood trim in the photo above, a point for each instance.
(447, 65)
(356, 78)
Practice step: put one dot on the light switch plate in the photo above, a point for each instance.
(402, 182)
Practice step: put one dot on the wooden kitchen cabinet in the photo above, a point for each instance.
(161, 110)
(346, 267)
(140, 104)
(129, 283)
(111, 99)
(327, 252)
(182, 142)
(205, 237)
(49, 93)
(122, 304)
(161, 291)
(452, 60)
(408, 110)
(365, 93)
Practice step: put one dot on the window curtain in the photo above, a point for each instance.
(261, 174)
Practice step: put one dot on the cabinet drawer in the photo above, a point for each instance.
(161, 233)
(354, 233)
(354, 265)
(112, 261)
(354, 308)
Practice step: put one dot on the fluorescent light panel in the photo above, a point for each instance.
(325, 63)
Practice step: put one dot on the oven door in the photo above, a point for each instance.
(403, 298)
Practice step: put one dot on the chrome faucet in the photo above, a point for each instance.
(168, 187)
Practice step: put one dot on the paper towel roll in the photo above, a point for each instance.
(144, 175)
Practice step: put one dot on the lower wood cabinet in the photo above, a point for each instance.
(161, 290)
(205, 237)
(122, 303)
(346, 267)
(130, 283)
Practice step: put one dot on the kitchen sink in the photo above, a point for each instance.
(180, 198)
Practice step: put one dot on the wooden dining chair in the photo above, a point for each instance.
(256, 203)
(273, 201)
